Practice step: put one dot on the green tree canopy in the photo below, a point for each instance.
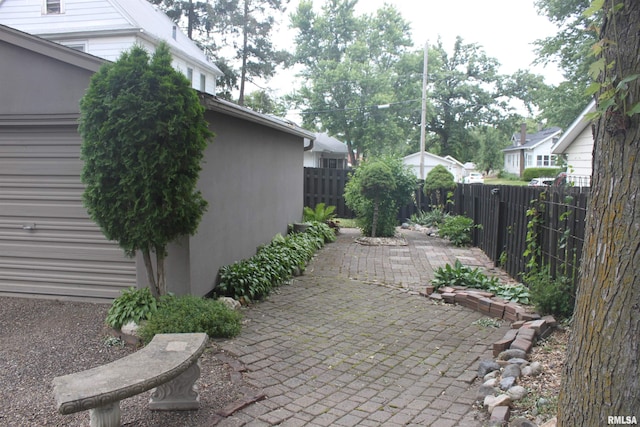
(143, 136)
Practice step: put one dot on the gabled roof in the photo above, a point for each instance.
(213, 103)
(574, 130)
(447, 159)
(532, 140)
(123, 17)
(53, 50)
(328, 144)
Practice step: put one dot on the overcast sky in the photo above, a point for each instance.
(505, 29)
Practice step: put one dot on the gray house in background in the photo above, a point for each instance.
(252, 179)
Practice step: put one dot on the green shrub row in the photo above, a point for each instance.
(274, 264)
(530, 173)
(460, 275)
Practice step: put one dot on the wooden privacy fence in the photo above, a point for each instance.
(501, 212)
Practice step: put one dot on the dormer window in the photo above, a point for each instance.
(52, 7)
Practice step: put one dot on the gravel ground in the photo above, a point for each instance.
(41, 339)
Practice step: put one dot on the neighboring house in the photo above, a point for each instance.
(106, 28)
(430, 161)
(530, 150)
(576, 145)
(326, 152)
(48, 244)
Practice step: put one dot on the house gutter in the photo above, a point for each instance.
(214, 103)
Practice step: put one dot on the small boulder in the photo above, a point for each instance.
(130, 328)
(492, 382)
(532, 370)
(517, 361)
(517, 392)
(492, 374)
(507, 382)
(487, 366)
(512, 353)
(522, 422)
(484, 391)
(511, 370)
(501, 400)
(230, 302)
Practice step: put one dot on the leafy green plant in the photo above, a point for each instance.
(273, 264)
(438, 178)
(551, 296)
(134, 305)
(461, 275)
(432, 218)
(457, 229)
(321, 213)
(188, 314)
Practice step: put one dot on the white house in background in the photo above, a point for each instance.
(531, 150)
(576, 145)
(430, 161)
(327, 152)
(106, 28)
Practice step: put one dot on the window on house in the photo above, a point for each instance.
(203, 82)
(545, 160)
(190, 75)
(52, 7)
(82, 47)
(332, 163)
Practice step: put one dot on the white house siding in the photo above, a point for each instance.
(579, 158)
(26, 15)
(512, 163)
(94, 23)
(431, 161)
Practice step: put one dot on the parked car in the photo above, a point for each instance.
(541, 182)
(474, 178)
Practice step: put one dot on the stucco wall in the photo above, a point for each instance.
(253, 181)
(38, 84)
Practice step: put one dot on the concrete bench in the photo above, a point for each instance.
(169, 363)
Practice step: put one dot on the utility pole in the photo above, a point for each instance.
(423, 119)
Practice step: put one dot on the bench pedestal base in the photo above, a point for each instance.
(105, 416)
(178, 394)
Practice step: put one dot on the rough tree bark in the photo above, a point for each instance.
(601, 378)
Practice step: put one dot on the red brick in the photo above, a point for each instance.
(459, 288)
(509, 317)
(504, 343)
(446, 290)
(448, 297)
(435, 296)
(540, 326)
(481, 293)
(500, 414)
(459, 296)
(517, 324)
(527, 334)
(551, 321)
(484, 305)
(523, 315)
(429, 289)
(522, 344)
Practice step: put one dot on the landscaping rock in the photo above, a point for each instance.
(493, 382)
(130, 328)
(492, 374)
(517, 361)
(507, 382)
(484, 391)
(517, 392)
(230, 302)
(487, 366)
(522, 422)
(511, 354)
(501, 400)
(553, 422)
(512, 370)
(532, 370)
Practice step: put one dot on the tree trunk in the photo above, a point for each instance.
(601, 378)
(374, 221)
(162, 278)
(146, 256)
(245, 42)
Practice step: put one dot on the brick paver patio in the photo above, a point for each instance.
(352, 343)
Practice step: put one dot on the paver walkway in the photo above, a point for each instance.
(351, 343)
